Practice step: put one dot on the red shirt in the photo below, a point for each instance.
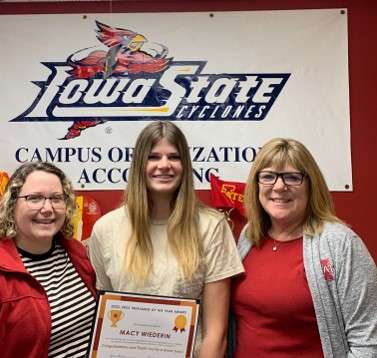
(273, 305)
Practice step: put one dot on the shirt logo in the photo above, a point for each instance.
(327, 270)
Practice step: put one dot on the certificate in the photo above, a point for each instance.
(142, 326)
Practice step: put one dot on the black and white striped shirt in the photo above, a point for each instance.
(71, 303)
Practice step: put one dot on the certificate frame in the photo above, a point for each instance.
(141, 326)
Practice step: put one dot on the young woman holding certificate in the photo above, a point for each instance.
(162, 241)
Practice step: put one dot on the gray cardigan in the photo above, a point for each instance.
(342, 278)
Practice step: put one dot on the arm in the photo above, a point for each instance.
(357, 285)
(215, 318)
(96, 256)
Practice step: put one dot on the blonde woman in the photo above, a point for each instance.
(310, 285)
(162, 241)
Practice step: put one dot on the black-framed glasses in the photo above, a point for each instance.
(289, 178)
(37, 201)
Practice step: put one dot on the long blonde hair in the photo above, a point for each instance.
(278, 152)
(183, 230)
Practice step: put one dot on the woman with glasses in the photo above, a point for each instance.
(47, 284)
(162, 241)
(310, 285)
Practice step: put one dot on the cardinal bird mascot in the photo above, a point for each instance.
(124, 55)
(127, 53)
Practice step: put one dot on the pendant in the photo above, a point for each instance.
(274, 248)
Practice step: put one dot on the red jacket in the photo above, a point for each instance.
(25, 320)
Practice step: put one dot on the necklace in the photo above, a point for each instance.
(275, 246)
(292, 235)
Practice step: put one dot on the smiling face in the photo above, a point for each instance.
(36, 228)
(285, 205)
(163, 170)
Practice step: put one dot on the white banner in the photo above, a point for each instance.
(76, 90)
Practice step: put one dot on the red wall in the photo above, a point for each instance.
(358, 208)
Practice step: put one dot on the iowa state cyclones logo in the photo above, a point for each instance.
(129, 78)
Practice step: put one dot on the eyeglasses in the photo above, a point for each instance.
(289, 178)
(37, 201)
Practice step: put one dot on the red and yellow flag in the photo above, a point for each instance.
(227, 194)
(4, 178)
(87, 213)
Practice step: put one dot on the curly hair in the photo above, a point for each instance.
(8, 201)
